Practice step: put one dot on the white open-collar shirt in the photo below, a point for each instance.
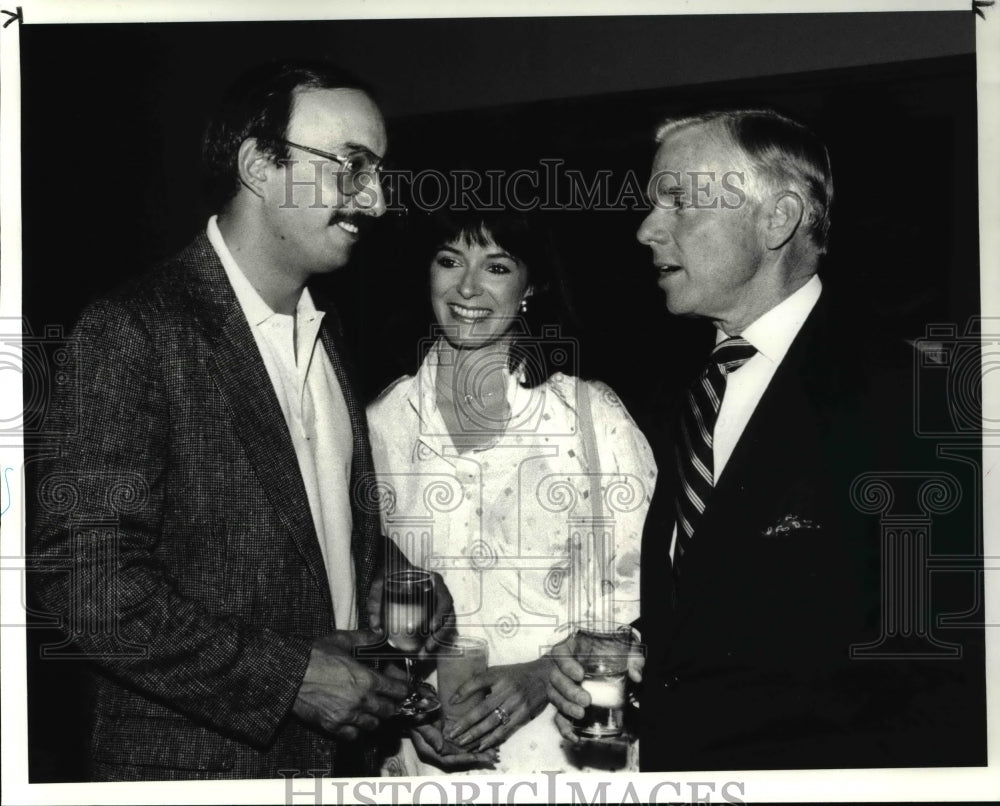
(772, 334)
(313, 405)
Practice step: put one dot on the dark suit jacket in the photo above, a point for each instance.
(196, 582)
(749, 663)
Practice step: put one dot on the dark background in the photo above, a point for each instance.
(112, 117)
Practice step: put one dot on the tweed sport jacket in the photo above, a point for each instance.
(191, 570)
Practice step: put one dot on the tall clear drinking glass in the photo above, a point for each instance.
(458, 661)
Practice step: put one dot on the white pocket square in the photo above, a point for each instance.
(790, 523)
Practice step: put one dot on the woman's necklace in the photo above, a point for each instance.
(473, 401)
(481, 385)
(481, 401)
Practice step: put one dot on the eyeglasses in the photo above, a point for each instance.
(358, 169)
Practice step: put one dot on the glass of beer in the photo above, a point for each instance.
(603, 649)
(408, 608)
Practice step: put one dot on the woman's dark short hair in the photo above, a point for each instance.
(539, 343)
(258, 105)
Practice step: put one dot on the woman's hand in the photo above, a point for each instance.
(517, 690)
(431, 747)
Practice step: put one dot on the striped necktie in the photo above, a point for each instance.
(696, 427)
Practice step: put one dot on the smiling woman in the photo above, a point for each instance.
(507, 449)
(498, 300)
(478, 288)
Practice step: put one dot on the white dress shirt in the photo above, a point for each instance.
(772, 334)
(313, 405)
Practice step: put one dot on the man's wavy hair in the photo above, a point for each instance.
(259, 105)
(778, 153)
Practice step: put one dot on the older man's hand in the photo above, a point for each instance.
(564, 688)
(341, 695)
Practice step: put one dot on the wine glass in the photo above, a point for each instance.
(409, 606)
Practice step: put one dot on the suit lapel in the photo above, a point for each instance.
(242, 380)
(784, 421)
(763, 447)
(766, 461)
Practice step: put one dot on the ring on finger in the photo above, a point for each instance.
(502, 714)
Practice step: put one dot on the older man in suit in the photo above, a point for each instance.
(214, 493)
(762, 594)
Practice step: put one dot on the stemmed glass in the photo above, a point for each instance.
(409, 607)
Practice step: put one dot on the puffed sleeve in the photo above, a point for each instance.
(376, 412)
(628, 476)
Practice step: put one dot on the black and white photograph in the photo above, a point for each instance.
(423, 404)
